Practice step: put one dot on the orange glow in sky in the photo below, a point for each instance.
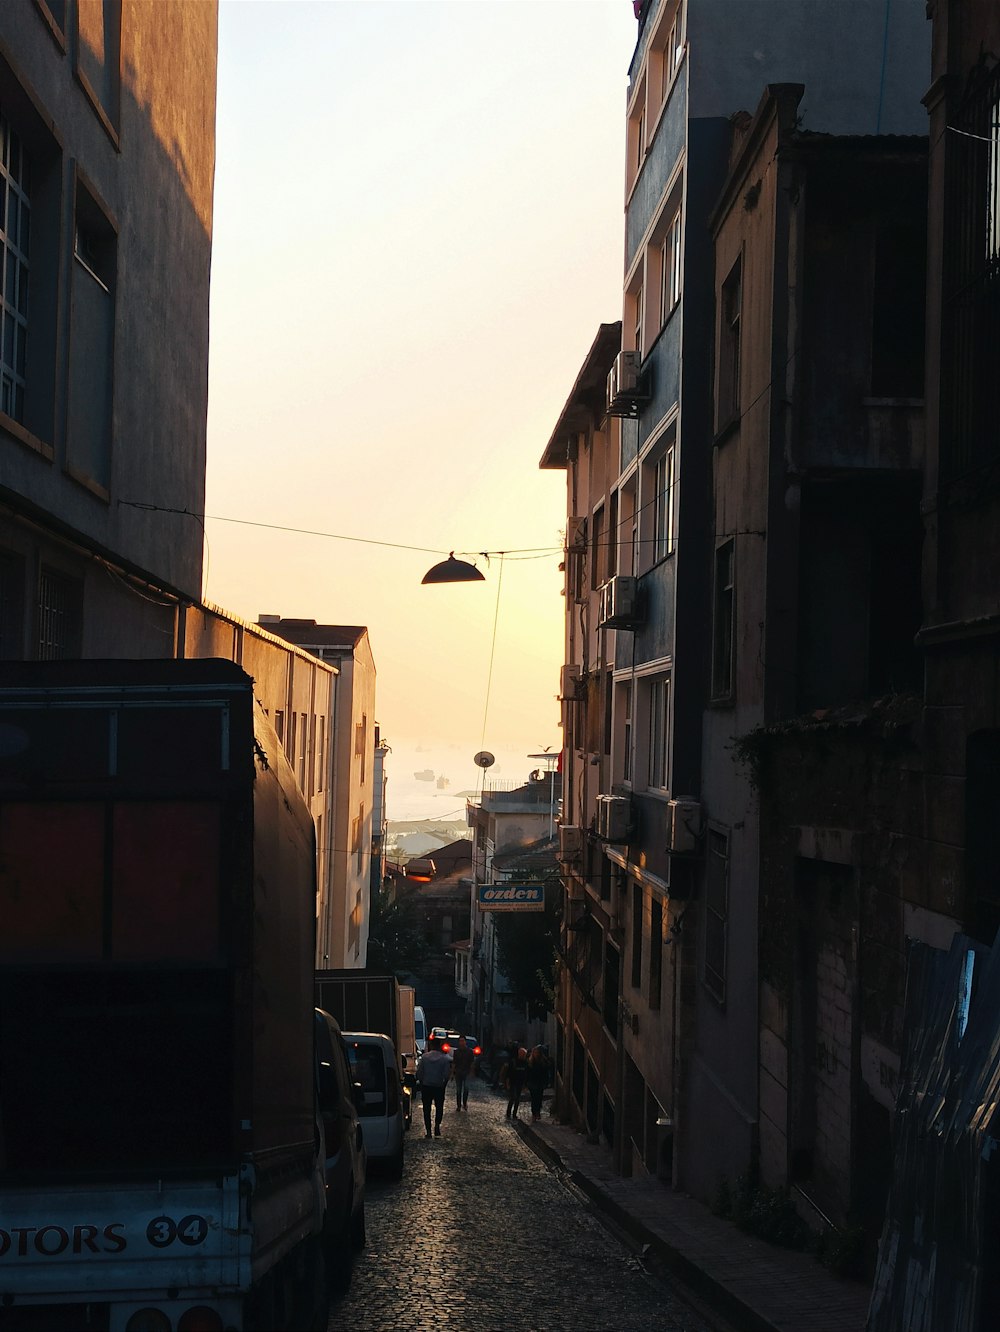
(418, 228)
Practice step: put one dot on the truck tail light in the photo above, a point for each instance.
(200, 1319)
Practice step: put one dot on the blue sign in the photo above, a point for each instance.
(511, 896)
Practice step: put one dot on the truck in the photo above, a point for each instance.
(369, 1000)
(161, 1141)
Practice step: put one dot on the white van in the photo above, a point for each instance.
(420, 1028)
(375, 1066)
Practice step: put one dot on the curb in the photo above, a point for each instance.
(706, 1287)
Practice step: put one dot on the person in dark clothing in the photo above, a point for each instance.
(517, 1068)
(433, 1073)
(461, 1067)
(536, 1079)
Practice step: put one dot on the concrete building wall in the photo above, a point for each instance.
(118, 125)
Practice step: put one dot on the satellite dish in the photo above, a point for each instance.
(484, 759)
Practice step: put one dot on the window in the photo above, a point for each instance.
(279, 724)
(716, 912)
(730, 311)
(98, 58)
(655, 951)
(670, 267)
(92, 338)
(636, 136)
(628, 530)
(659, 734)
(612, 977)
(663, 505)
(597, 540)
(636, 936)
(15, 242)
(292, 746)
(60, 616)
(635, 301)
(300, 766)
(657, 476)
(11, 606)
(722, 636)
(321, 756)
(627, 733)
(675, 42)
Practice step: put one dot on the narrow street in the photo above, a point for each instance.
(481, 1234)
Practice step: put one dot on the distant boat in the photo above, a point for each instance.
(426, 776)
(442, 782)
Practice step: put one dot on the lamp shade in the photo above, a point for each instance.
(453, 571)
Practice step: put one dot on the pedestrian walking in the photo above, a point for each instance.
(461, 1067)
(536, 1079)
(433, 1073)
(517, 1068)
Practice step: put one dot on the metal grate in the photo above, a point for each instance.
(60, 615)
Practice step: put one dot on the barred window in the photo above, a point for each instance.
(60, 616)
(15, 243)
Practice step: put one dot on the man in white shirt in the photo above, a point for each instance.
(433, 1073)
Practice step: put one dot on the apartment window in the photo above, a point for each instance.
(611, 541)
(670, 267)
(597, 540)
(15, 241)
(655, 952)
(637, 312)
(716, 912)
(98, 58)
(636, 136)
(60, 616)
(730, 312)
(640, 138)
(662, 479)
(11, 606)
(292, 746)
(612, 982)
(675, 42)
(636, 936)
(723, 641)
(627, 733)
(92, 337)
(993, 186)
(279, 724)
(300, 770)
(321, 756)
(628, 530)
(659, 734)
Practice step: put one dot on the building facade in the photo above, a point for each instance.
(665, 1063)
(346, 840)
(107, 128)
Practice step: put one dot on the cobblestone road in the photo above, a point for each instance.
(479, 1234)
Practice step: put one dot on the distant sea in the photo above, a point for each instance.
(447, 776)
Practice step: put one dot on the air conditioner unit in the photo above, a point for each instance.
(570, 681)
(570, 841)
(576, 536)
(683, 825)
(625, 394)
(614, 818)
(620, 603)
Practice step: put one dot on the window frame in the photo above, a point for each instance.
(724, 622)
(715, 970)
(728, 347)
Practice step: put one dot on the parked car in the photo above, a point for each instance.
(419, 1028)
(344, 1152)
(374, 1064)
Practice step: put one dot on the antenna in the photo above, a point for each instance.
(484, 759)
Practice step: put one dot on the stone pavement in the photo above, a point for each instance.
(756, 1286)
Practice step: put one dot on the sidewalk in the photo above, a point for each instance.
(756, 1286)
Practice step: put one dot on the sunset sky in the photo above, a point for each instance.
(418, 229)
